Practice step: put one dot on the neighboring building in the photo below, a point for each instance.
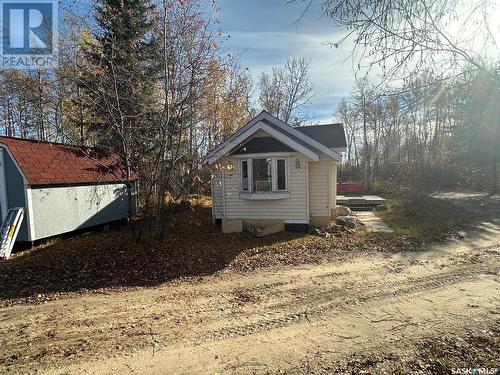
(62, 188)
(271, 172)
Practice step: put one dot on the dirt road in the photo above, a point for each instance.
(299, 320)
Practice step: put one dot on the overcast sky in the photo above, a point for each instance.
(265, 33)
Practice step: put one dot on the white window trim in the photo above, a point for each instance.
(274, 175)
(249, 185)
(263, 196)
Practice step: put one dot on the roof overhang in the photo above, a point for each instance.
(340, 149)
(281, 131)
(230, 144)
(6, 149)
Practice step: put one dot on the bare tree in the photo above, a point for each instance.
(287, 89)
(404, 35)
(448, 38)
(348, 115)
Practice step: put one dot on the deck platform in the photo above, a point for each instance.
(361, 201)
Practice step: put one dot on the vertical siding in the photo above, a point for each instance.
(292, 209)
(217, 191)
(319, 196)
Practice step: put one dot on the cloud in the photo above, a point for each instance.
(331, 74)
(264, 34)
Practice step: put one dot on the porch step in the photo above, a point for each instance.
(361, 201)
(261, 230)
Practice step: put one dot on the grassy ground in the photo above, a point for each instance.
(194, 248)
(433, 219)
(362, 311)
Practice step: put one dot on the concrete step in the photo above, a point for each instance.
(261, 230)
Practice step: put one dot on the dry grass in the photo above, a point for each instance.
(194, 248)
(434, 219)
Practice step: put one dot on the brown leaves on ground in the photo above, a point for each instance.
(97, 262)
(440, 355)
(332, 230)
(472, 350)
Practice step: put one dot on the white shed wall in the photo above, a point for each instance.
(333, 185)
(58, 210)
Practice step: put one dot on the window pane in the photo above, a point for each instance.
(244, 175)
(262, 180)
(280, 163)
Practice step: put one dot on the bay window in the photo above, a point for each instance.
(244, 175)
(264, 175)
(280, 174)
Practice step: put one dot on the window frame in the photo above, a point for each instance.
(274, 174)
(265, 159)
(248, 189)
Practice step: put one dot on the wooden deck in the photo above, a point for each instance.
(361, 201)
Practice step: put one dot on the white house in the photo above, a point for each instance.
(271, 172)
(61, 187)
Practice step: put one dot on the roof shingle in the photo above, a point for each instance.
(45, 163)
(330, 135)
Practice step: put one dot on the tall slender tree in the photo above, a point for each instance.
(119, 75)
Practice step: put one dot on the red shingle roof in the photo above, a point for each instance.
(45, 163)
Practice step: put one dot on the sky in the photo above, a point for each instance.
(264, 33)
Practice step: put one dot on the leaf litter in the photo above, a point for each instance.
(102, 262)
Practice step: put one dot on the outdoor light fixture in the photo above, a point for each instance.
(297, 164)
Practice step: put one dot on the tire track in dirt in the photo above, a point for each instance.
(321, 285)
(386, 290)
(314, 291)
(268, 290)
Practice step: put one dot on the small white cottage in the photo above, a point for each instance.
(271, 172)
(62, 188)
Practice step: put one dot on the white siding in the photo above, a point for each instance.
(59, 210)
(319, 196)
(292, 209)
(217, 191)
(333, 185)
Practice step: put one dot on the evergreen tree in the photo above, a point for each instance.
(119, 75)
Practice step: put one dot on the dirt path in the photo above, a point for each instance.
(297, 320)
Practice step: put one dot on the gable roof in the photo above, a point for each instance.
(262, 144)
(282, 131)
(331, 135)
(46, 163)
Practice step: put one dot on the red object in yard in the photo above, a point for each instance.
(349, 188)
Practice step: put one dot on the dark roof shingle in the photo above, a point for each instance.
(45, 163)
(262, 144)
(330, 135)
